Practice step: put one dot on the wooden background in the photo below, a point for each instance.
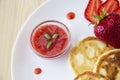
(13, 14)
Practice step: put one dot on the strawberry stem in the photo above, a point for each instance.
(99, 17)
(102, 15)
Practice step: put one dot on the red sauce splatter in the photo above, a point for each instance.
(37, 70)
(70, 15)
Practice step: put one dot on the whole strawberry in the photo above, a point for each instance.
(108, 30)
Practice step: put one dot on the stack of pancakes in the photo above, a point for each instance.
(92, 59)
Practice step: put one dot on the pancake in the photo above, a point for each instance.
(109, 64)
(85, 54)
(90, 76)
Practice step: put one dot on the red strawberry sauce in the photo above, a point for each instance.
(40, 42)
(37, 71)
(70, 15)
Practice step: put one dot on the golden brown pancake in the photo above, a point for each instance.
(90, 76)
(85, 54)
(109, 64)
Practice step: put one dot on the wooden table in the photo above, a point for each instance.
(13, 14)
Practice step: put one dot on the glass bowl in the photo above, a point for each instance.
(50, 38)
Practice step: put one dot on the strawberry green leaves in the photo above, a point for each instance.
(100, 17)
(50, 39)
(47, 36)
(49, 44)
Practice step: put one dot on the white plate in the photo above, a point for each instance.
(24, 60)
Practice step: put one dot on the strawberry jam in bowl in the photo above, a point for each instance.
(50, 39)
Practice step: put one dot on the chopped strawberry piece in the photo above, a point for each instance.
(91, 10)
(108, 6)
(117, 10)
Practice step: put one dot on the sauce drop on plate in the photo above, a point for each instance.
(37, 70)
(70, 15)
